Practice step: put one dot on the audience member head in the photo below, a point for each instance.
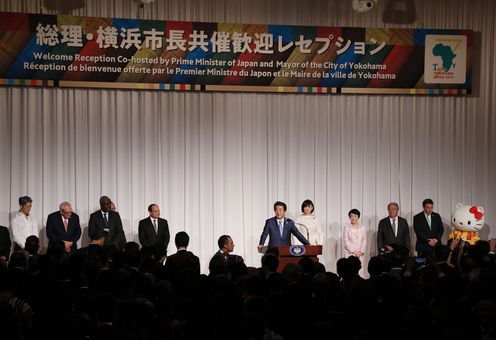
(355, 265)
(441, 252)
(292, 272)
(378, 265)
(306, 264)
(272, 251)
(182, 240)
(270, 263)
(397, 258)
(56, 249)
(32, 245)
(131, 246)
(225, 243)
(343, 268)
(160, 252)
(19, 260)
(99, 237)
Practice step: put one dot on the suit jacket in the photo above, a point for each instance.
(56, 232)
(114, 229)
(271, 229)
(385, 233)
(424, 233)
(228, 260)
(147, 235)
(5, 242)
(182, 260)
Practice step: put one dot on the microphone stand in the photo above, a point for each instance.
(308, 233)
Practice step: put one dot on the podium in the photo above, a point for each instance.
(287, 256)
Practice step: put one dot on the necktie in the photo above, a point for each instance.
(429, 221)
(105, 218)
(281, 228)
(394, 228)
(155, 226)
(66, 223)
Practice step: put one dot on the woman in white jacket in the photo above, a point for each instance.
(308, 220)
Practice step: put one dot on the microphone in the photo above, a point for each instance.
(308, 233)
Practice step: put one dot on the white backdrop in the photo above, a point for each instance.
(216, 162)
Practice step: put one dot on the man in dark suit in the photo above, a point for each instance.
(153, 230)
(392, 230)
(183, 260)
(428, 228)
(279, 229)
(109, 221)
(63, 225)
(222, 260)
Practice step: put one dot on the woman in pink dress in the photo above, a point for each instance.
(354, 237)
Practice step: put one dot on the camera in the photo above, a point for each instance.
(364, 5)
(420, 261)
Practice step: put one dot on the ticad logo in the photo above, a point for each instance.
(445, 59)
(297, 250)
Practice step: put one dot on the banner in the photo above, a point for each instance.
(69, 51)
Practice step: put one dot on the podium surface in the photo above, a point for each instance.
(291, 254)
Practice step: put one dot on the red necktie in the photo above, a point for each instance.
(65, 224)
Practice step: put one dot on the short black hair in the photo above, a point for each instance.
(223, 241)
(354, 211)
(307, 203)
(270, 262)
(25, 200)
(32, 244)
(282, 204)
(427, 201)
(182, 239)
(104, 199)
(150, 207)
(98, 234)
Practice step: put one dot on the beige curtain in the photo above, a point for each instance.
(216, 162)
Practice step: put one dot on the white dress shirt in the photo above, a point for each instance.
(106, 228)
(155, 225)
(429, 220)
(394, 226)
(280, 223)
(23, 226)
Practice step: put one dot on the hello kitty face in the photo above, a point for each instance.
(468, 218)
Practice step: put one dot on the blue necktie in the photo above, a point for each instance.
(281, 228)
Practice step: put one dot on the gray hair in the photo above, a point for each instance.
(394, 203)
(63, 205)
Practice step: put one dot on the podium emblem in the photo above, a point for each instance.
(297, 250)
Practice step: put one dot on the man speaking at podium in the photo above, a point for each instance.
(280, 229)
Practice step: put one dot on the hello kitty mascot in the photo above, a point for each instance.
(467, 221)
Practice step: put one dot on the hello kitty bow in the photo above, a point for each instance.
(478, 214)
